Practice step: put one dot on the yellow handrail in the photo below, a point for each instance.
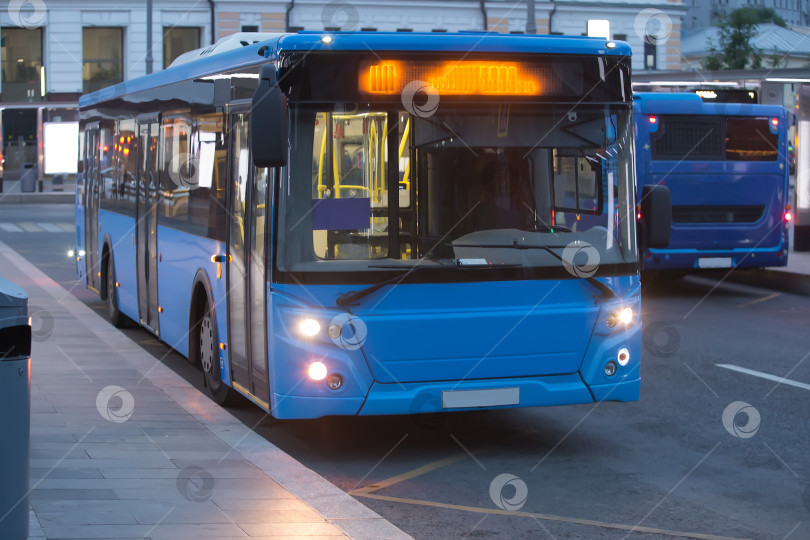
(402, 145)
(381, 161)
(336, 166)
(321, 187)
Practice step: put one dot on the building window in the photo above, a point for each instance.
(21, 58)
(250, 28)
(102, 57)
(649, 53)
(177, 41)
(619, 37)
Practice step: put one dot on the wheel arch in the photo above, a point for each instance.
(201, 296)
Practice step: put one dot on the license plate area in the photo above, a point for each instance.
(491, 397)
(714, 262)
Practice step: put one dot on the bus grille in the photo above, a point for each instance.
(717, 214)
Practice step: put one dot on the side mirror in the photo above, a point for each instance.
(268, 121)
(656, 217)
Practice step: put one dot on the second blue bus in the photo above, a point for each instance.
(726, 165)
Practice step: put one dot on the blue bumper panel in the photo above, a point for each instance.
(688, 258)
(622, 391)
(427, 397)
(289, 407)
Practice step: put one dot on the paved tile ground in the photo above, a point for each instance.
(122, 447)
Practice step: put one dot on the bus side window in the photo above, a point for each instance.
(177, 175)
(207, 199)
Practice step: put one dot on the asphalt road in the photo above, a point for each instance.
(708, 450)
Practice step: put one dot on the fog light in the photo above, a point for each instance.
(610, 368)
(82, 253)
(309, 327)
(333, 331)
(623, 357)
(334, 382)
(317, 371)
(71, 253)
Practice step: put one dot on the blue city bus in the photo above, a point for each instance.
(374, 223)
(726, 165)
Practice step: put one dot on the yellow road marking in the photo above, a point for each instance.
(758, 300)
(548, 517)
(408, 475)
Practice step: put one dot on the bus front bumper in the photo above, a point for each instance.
(433, 397)
(695, 259)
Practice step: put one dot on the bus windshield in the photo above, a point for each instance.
(490, 185)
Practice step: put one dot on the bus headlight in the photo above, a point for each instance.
(309, 327)
(624, 316)
(317, 371)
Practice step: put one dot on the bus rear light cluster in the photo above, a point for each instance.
(788, 214)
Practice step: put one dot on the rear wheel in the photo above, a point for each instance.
(113, 313)
(209, 358)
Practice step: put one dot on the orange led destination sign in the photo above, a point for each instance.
(452, 78)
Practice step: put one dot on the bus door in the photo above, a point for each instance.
(247, 325)
(92, 189)
(146, 251)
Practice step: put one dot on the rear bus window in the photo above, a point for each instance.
(750, 139)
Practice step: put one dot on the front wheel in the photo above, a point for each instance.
(209, 359)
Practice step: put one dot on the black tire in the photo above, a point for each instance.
(208, 343)
(115, 316)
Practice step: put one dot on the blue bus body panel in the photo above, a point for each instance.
(547, 338)
(181, 254)
(121, 232)
(763, 242)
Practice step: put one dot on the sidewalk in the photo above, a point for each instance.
(793, 278)
(122, 447)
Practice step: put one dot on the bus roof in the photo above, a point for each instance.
(218, 58)
(690, 103)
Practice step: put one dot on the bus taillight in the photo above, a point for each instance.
(788, 216)
(653, 119)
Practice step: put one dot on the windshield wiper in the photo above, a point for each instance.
(606, 291)
(351, 297)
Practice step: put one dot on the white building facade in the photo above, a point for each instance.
(53, 51)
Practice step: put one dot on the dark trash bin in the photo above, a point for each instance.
(28, 179)
(15, 411)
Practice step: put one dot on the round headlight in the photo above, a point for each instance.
(309, 327)
(626, 315)
(317, 371)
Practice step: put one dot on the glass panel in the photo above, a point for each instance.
(177, 41)
(21, 58)
(258, 283)
(349, 168)
(750, 139)
(236, 265)
(688, 138)
(207, 202)
(102, 57)
(473, 181)
(177, 170)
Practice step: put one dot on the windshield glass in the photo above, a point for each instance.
(486, 185)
